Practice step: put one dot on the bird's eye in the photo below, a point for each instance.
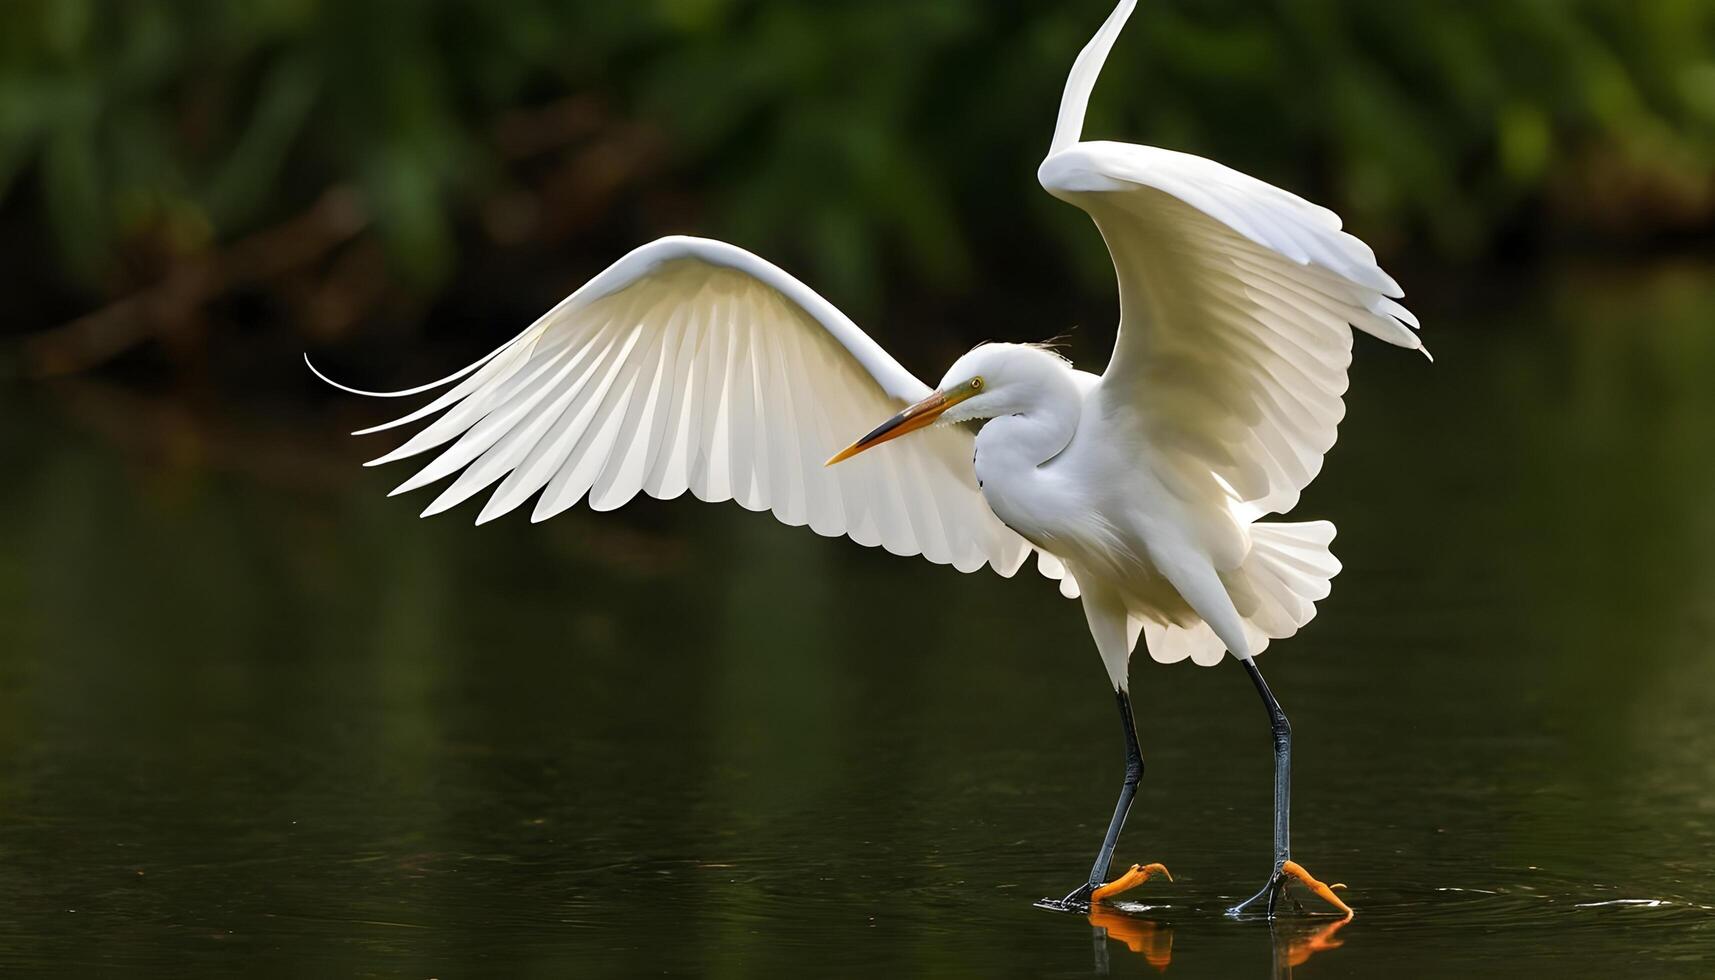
(976, 384)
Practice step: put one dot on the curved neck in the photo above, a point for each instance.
(1042, 426)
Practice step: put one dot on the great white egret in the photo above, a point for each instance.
(694, 365)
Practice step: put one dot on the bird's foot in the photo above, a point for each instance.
(1287, 872)
(1264, 900)
(1086, 896)
(1077, 900)
(1137, 875)
(1079, 896)
(1324, 892)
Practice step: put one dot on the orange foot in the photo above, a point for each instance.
(1325, 892)
(1138, 874)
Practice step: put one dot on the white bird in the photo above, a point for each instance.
(693, 365)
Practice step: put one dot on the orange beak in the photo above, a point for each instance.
(916, 417)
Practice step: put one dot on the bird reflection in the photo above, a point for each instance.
(1154, 940)
(1293, 948)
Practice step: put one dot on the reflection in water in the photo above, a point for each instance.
(1292, 941)
(1293, 945)
(1151, 939)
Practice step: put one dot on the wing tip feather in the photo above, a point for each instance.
(401, 393)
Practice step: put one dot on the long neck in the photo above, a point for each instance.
(1042, 426)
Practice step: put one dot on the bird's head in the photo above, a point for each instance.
(991, 380)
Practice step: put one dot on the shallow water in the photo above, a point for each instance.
(253, 715)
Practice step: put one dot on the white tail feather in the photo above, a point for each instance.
(1276, 590)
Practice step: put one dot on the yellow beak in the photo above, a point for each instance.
(916, 417)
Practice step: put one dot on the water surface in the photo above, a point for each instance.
(255, 716)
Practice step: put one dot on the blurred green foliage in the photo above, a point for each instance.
(850, 133)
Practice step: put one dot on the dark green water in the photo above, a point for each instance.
(255, 717)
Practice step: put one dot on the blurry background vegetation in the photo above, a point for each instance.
(200, 184)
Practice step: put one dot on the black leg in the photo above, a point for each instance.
(1128, 790)
(1281, 729)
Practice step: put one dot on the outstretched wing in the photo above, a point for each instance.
(694, 365)
(1237, 301)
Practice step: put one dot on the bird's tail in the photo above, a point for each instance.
(1284, 576)
(1275, 591)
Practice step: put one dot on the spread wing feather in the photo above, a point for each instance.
(694, 366)
(1237, 303)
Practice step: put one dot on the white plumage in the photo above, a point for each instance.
(693, 365)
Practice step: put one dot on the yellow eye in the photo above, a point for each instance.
(976, 384)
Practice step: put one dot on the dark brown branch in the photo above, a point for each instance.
(336, 218)
(570, 184)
